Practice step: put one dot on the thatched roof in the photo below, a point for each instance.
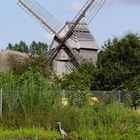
(9, 57)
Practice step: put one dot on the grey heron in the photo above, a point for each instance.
(63, 133)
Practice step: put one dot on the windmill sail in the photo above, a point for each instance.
(82, 13)
(93, 10)
(46, 20)
(62, 50)
(95, 6)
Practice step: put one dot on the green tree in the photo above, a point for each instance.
(38, 48)
(118, 62)
(21, 47)
(136, 98)
(36, 64)
(77, 85)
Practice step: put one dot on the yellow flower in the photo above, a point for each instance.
(65, 101)
(93, 101)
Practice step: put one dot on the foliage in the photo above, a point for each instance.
(26, 133)
(7, 81)
(28, 93)
(136, 99)
(36, 64)
(21, 47)
(32, 98)
(132, 83)
(111, 121)
(78, 97)
(117, 67)
(76, 88)
(38, 48)
(74, 81)
(119, 61)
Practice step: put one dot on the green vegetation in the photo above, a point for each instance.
(32, 95)
(111, 121)
(34, 133)
(119, 63)
(35, 48)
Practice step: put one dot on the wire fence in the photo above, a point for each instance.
(117, 96)
(1, 102)
(14, 100)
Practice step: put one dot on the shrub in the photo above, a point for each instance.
(136, 99)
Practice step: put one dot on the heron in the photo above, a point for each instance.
(63, 133)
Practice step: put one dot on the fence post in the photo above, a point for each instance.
(1, 102)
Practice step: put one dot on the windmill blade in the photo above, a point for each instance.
(71, 54)
(90, 5)
(81, 14)
(72, 57)
(72, 30)
(93, 10)
(46, 20)
(89, 16)
(73, 25)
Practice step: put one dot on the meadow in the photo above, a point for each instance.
(105, 122)
(30, 110)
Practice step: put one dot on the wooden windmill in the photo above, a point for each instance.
(73, 42)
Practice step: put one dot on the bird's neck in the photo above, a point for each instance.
(60, 126)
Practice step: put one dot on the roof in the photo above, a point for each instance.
(82, 37)
(7, 58)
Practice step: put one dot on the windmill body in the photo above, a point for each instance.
(84, 46)
(73, 43)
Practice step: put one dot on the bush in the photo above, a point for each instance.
(78, 98)
(112, 121)
(136, 99)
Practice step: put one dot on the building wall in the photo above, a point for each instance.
(61, 67)
(85, 44)
(62, 55)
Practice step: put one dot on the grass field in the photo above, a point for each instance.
(107, 122)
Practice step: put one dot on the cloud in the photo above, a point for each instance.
(75, 6)
(127, 2)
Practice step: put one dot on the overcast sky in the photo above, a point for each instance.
(114, 19)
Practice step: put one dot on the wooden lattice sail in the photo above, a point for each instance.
(73, 42)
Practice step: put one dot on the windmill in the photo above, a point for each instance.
(66, 52)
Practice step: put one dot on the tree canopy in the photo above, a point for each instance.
(117, 66)
(118, 62)
(36, 48)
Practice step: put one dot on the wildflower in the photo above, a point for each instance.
(65, 101)
(93, 101)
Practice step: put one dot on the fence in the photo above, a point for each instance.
(1, 102)
(118, 96)
(25, 100)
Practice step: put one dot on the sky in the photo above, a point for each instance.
(116, 18)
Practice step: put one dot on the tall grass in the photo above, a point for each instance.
(28, 93)
(26, 133)
(30, 104)
(107, 122)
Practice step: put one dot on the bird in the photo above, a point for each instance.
(63, 133)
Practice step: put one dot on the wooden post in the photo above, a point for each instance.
(1, 102)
